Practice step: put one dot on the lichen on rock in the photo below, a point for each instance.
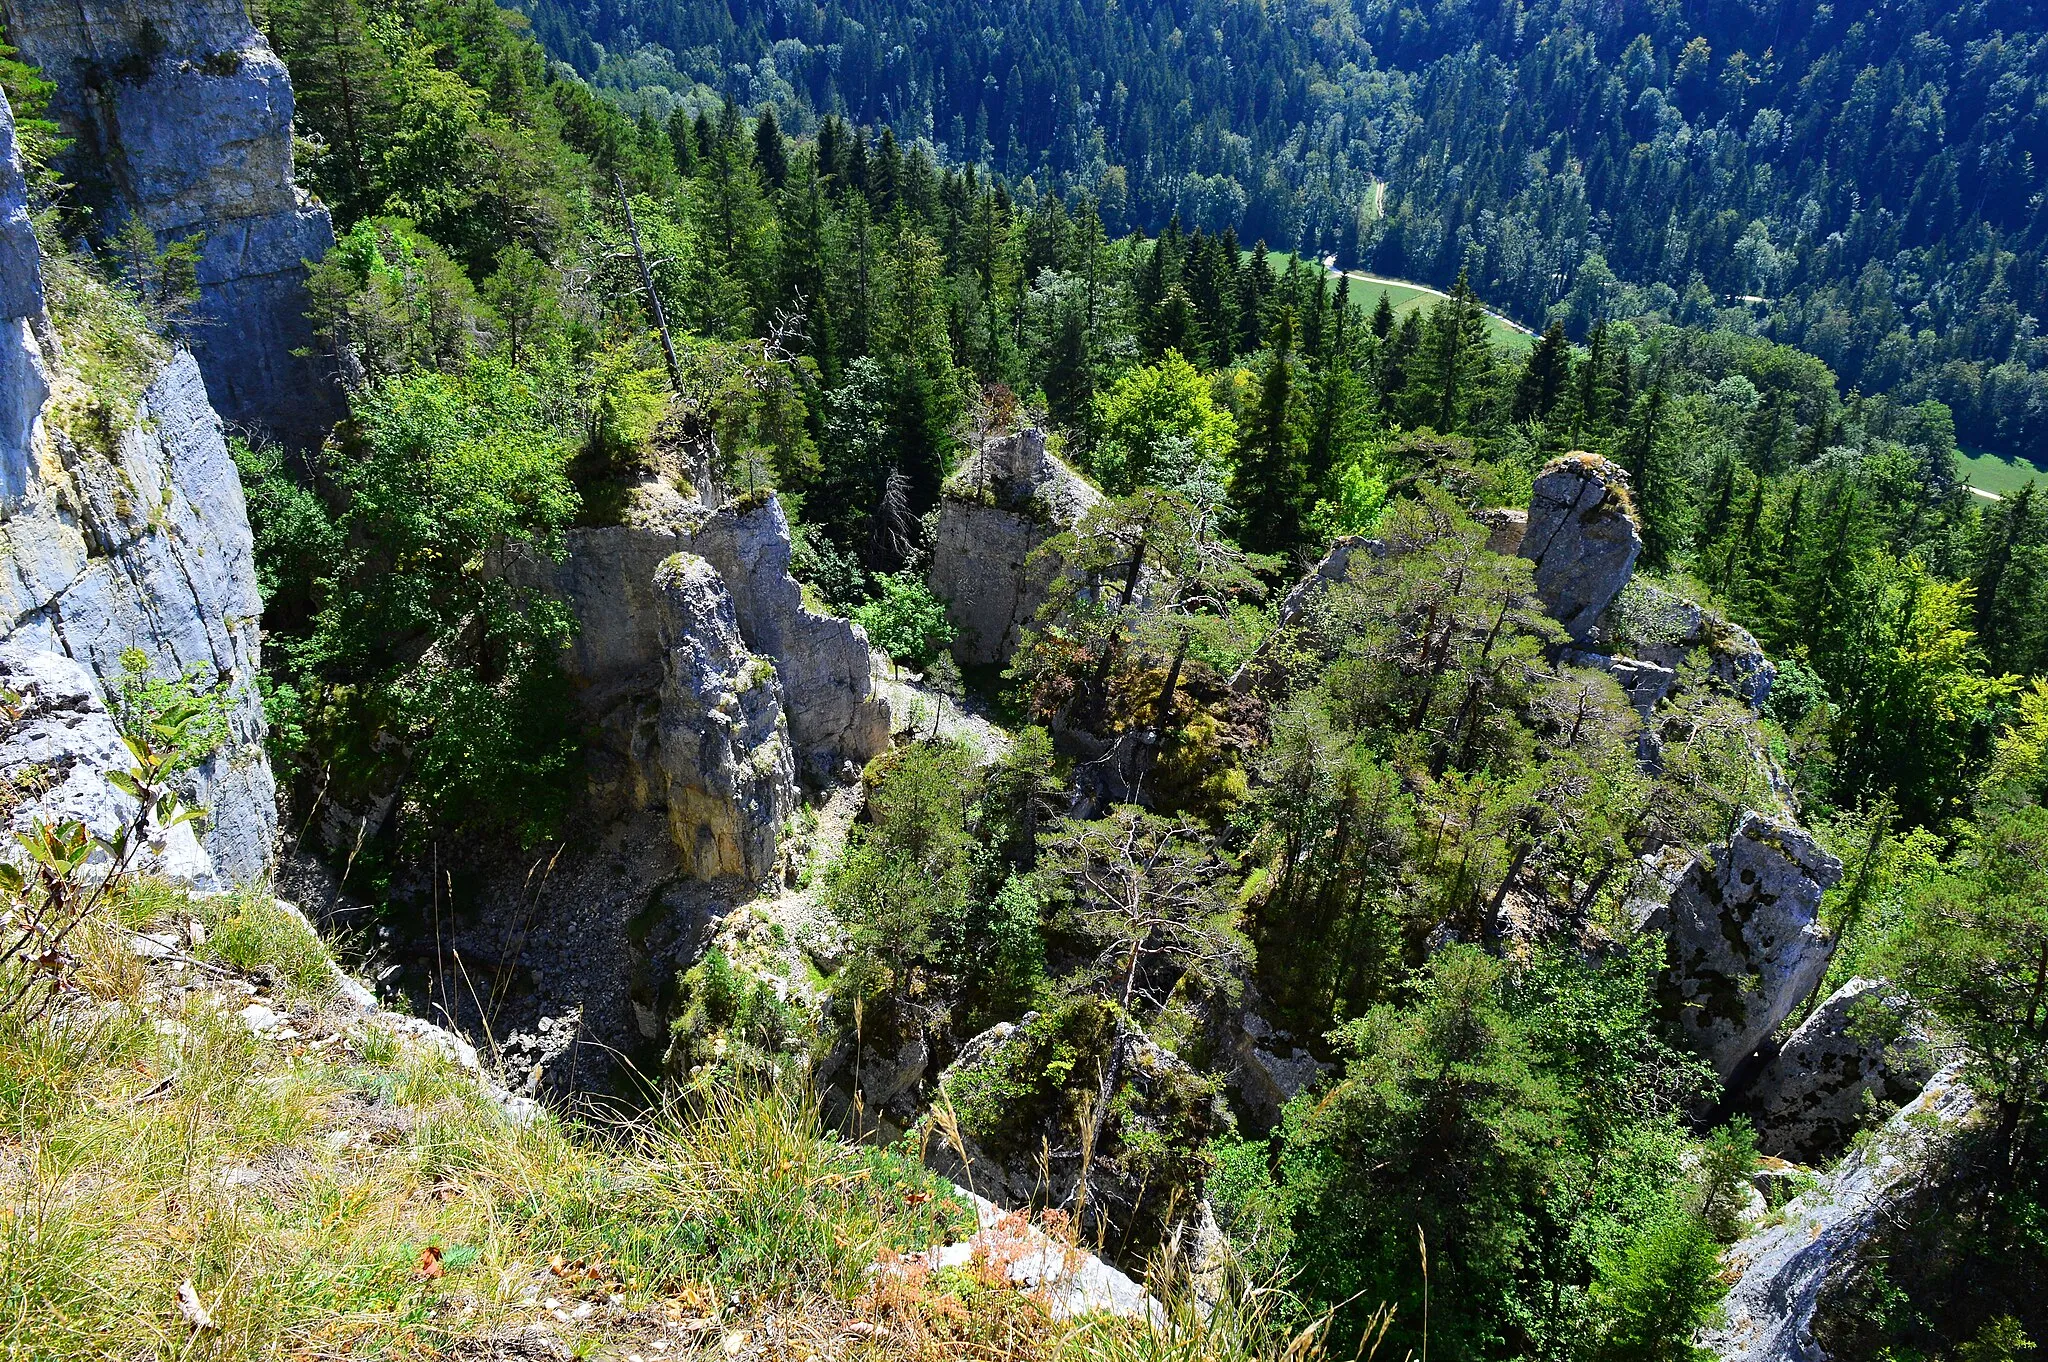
(1582, 536)
(1856, 1057)
(144, 544)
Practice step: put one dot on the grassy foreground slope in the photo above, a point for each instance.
(210, 1152)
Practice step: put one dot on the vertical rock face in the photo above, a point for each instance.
(145, 545)
(24, 328)
(1581, 535)
(1860, 1052)
(149, 548)
(1781, 1270)
(1001, 505)
(823, 660)
(628, 599)
(1744, 943)
(183, 115)
(1660, 628)
(724, 746)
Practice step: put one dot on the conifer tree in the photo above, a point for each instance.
(1543, 380)
(769, 152)
(1270, 485)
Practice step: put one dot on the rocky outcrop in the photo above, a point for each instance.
(1781, 1270)
(57, 748)
(24, 328)
(143, 545)
(823, 660)
(1744, 944)
(1506, 526)
(1662, 629)
(611, 579)
(723, 745)
(1860, 1054)
(183, 115)
(1334, 567)
(1581, 534)
(1003, 503)
(1268, 1069)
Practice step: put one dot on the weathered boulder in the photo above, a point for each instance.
(1000, 506)
(54, 762)
(1582, 537)
(1861, 1053)
(1743, 939)
(182, 114)
(724, 748)
(1781, 1269)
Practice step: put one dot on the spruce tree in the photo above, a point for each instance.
(1270, 487)
(1660, 499)
(769, 152)
(1544, 378)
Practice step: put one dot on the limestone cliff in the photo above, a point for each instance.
(135, 539)
(1779, 1271)
(182, 114)
(1001, 505)
(724, 745)
(623, 658)
(1581, 535)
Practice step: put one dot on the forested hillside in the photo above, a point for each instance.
(1862, 181)
(881, 598)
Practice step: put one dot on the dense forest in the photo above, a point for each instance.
(1862, 181)
(1415, 828)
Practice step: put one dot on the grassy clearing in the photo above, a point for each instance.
(330, 1189)
(1999, 474)
(1406, 297)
